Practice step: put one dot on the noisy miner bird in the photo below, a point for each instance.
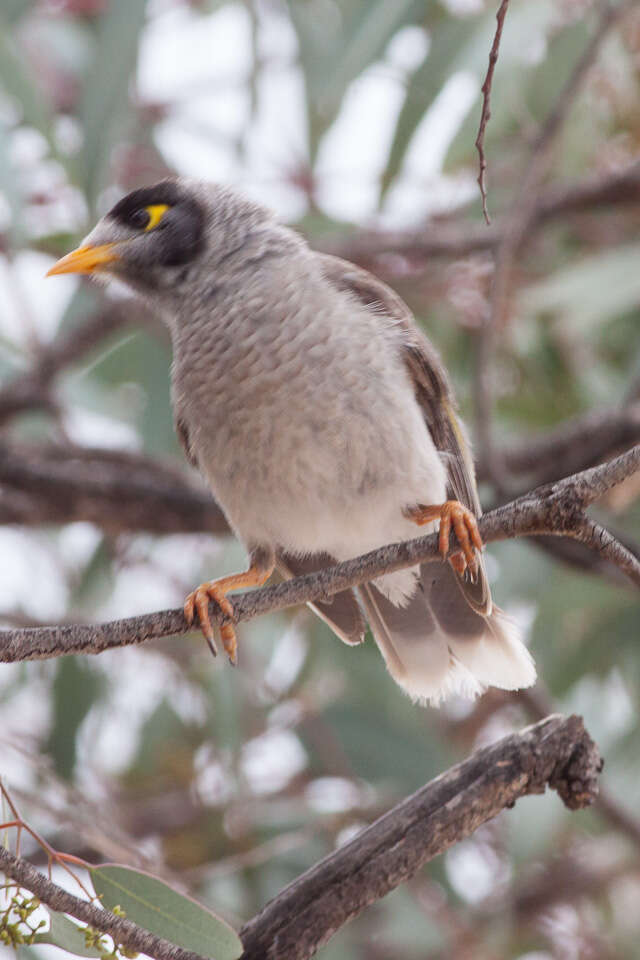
(323, 421)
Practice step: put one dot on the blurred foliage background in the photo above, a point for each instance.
(356, 120)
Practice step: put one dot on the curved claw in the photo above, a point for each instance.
(454, 514)
(197, 606)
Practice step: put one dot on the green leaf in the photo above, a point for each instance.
(67, 935)
(335, 49)
(584, 294)
(145, 360)
(16, 80)
(447, 40)
(463, 44)
(75, 689)
(373, 30)
(153, 905)
(105, 100)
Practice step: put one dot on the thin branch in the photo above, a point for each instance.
(123, 931)
(517, 225)
(309, 911)
(524, 203)
(555, 509)
(446, 239)
(486, 106)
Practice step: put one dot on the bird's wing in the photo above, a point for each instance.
(182, 433)
(432, 392)
(342, 612)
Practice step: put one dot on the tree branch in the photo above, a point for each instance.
(486, 106)
(555, 509)
(517, 226)
(445, 239)
(120, 492)
(573, 445)
(123, 931)
(557, 751)
(539, 703)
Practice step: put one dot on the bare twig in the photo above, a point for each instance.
(556, 509)
(486, 106)
(517, 225)
(307, 913)
(123, 931)
(446, 239)
(524, 204)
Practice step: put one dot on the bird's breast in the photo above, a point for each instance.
(298, 425)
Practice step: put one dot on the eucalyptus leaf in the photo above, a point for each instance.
(446, 40)
(17, 81)
(589, 291)
(105, 101)
(462, 44)
(67, 935)
(75, 689)
(163, 911)
(373, 30)
(337, 43)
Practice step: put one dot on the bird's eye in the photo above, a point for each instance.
(139, 218)
(146, 218)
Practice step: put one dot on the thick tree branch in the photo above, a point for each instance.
(556, 509)
(118, 491)
(557, 751)
(573, 445)
(539, 704)
(123, 931)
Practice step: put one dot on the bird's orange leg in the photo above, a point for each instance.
(197, 605)
(465, 526)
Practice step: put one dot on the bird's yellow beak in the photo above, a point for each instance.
(85, 260)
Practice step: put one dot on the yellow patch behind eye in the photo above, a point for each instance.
(156, 212)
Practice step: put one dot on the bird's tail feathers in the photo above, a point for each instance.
(431, 663)
(498, 656)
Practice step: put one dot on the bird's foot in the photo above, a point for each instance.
(465, 526)
(197, 606)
